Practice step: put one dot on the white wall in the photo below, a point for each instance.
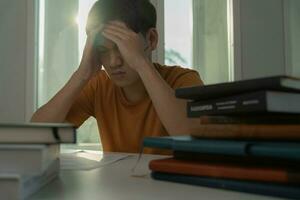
(292, 25)
(13, 59)
(262, 49)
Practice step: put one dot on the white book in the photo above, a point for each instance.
(17, 187)
(37, 133)
(27, 159)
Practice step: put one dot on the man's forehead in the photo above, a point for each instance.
(97, 23)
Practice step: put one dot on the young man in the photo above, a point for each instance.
(132, 97)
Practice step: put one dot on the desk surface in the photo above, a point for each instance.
(116, 182)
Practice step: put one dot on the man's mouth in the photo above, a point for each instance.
(118, 73)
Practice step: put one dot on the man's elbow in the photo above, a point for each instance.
(38, 117)
(34, 118)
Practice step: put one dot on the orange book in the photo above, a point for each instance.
(226, 170)
(248, 131)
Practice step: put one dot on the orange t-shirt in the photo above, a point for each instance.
(123, 125)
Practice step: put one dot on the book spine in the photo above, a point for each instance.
(277, 190)
(212, 147)
(246, 132)
(252, 119)
(224, 170)
(161, 143)
(238, 104)
(245, 160)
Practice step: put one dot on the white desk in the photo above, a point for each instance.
(115, 182)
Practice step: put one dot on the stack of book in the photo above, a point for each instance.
(249, 139)
(29, 156)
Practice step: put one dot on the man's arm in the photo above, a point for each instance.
(171, 111)
(56, 110)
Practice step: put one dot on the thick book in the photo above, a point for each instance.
(27, 159)
(258, 102)
(280, 132)
(16, 186)
(252, 119)
(227, 170)
(37, 133)
(244, 160)
(277, 83)
(270, 189)
(285, 150)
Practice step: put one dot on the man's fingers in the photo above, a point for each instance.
(119, 29)
(115, 36)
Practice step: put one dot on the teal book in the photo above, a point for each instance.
(285, 150)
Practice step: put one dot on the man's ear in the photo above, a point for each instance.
(152, 38)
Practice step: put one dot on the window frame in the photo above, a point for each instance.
(159, 54)
(32, 55)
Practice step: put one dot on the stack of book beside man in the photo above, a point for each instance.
(29, 156)
(249, 139)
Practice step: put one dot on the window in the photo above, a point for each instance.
(61, 42)
(178, 32)
(210, 40)
(196, 36)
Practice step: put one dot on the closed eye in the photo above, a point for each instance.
(103, 51)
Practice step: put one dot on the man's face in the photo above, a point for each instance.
(115, 66)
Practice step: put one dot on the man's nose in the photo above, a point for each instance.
(115, 58)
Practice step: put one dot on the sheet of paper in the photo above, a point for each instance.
(88, 160)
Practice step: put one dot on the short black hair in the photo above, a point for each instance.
(138, 15)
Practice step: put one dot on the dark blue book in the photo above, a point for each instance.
(251, 103)
(285, 150)
(277, 190)
(276, 83)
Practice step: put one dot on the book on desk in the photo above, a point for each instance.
(213, 91)
(270, 189)
(241, 165)
(29, 155)
(259, 102)
(249, 138)
(37, 133)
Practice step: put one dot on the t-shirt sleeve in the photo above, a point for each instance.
(83, 106)
(187, 78)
